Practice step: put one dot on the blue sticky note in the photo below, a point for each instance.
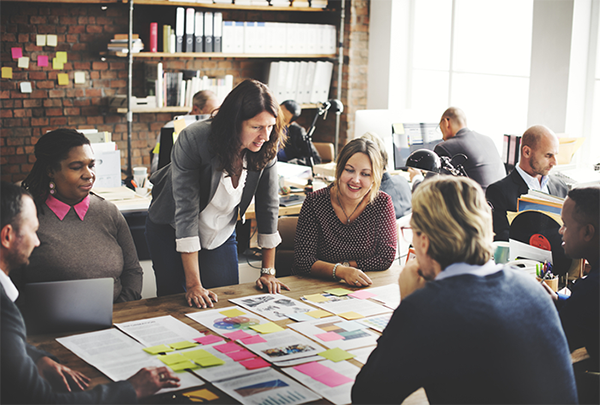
(351, 326)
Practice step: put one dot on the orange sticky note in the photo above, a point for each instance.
(63, 79)
(6, 72)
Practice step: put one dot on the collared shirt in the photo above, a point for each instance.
(61, 209)
(532, 182)
(458, 269)
(9, 287)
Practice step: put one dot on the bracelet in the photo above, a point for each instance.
(334, 269)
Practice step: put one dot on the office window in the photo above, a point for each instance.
(473, 54)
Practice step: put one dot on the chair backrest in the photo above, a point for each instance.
(284, 257)
(326, 151)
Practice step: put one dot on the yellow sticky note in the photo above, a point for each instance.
(318, 314)
(79, 77)
(336, 354)
(184, 365)
(315, 298)
(196, 354)
(40, 40)
(351, 315)
(182, 345)
(230, 313)
(398, 128)
(158, 349)
(268, 327)
(51, 40)
(338, 292)
(63, 79)
(169, 359)
(6, 72)
(202, 394)
(62, 56)
(210, 361)
(57, 64)
(23, 62)
(179, 125)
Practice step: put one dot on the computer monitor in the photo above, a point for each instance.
(409, 137)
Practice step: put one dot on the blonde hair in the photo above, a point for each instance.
(372, 136)
(454, 214)
(361, 145)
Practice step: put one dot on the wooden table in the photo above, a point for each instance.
(175, 306)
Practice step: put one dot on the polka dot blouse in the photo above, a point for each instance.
(371, 239)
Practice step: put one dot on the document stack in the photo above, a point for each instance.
(305, 82)
(120, 43)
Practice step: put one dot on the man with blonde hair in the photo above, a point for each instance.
(539, 149)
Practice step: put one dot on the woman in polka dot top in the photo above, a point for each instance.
(350, 226)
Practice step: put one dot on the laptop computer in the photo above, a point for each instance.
(66, 306)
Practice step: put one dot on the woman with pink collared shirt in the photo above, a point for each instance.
(81, 234)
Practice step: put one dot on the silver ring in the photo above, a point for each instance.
(161, 376)
(357, 282)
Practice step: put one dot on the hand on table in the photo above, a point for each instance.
(353, 276)
(151, 379)
(62, 378)
(412, 172)
(411, 279)
(200, 297)
(271, 283)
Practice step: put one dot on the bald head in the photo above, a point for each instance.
(539, 150)
(452, 121)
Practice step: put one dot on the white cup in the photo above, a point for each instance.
(140, 175)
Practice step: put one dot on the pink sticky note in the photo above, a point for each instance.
(16, 53)
(238, 334)
(333, 379)
(228, 347)
(42, 60)
(312, 369)
(255, 363)
(208, 339)
(241, 355)
(329, 336)
(362, 294)
(253, 339)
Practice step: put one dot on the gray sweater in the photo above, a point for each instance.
(99, 246)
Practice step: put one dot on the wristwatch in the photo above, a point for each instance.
(267, 270)
(346, 264)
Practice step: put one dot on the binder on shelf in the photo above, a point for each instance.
(300, 84)
(250, 43)
(190, 27)
(281, 81)
(272, 81)
(218, 32)
(308, 82)
(260, 37)
(199, 32)
(153, 37)
(166, 38)
(228, 37)
(179, 29)
(208, 31)
(290, 83)
(239, 29)
(158, 91)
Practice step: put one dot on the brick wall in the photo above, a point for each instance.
(83, 30)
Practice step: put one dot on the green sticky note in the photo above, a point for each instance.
(172, 358)
(268, 327)
(339, 292)
(184, 365)
(336, 354)
(196, 354)
(158, 349)
(210, 361)
(318, 314)
(232, 313)
(182, 345)
(61, 56)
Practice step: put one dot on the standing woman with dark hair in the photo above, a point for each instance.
(82, 235)
(217, 167)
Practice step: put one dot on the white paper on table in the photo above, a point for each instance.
(159, 330)
(214, 320)
(118, 356)
(285, 345)
(339, 305)
(388, 295)
(230, 369)
(339, 395)
(352, 339)
(267, 387)
(362, 355)
(272, 306)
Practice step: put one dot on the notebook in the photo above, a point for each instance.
(66, 306)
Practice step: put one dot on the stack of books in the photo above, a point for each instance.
(119, 43)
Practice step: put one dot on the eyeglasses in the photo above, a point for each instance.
(407, 234)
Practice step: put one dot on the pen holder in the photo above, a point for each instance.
(550, 282)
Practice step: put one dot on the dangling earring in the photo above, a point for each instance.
(52, 187)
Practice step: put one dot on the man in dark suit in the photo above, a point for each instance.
(483, 162)
(539, 148)
(33, 376)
